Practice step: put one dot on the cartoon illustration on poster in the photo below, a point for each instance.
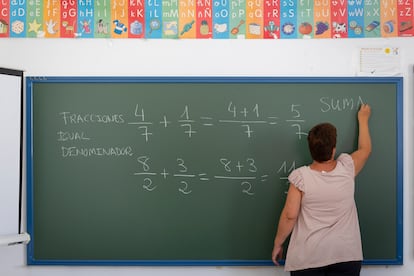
(306, 15)
(339, 19)
(17, 19)
(271, 19)
(206, 19)
(288, 19)
(221, 22)
(238, 19)
(372, 19)
(356, 19)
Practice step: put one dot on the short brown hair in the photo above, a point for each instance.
(322, 141)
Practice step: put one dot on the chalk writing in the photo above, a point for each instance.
(96, 151)
(284, 171)
(186, 122)
(90, 118)
(341, 104)
(229, 167)
(246, 117)
(239, 165)
(71, 136)
(249, 120)
(296, 120)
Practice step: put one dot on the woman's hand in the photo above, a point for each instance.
(364, 112)
(277, 254)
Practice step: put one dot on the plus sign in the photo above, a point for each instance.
(165, 122)
(164, 173)
(239, 166)
(245, 112)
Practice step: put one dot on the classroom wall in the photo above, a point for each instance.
(128, 57)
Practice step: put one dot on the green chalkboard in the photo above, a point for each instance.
(193, 171)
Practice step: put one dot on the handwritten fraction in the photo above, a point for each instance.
(243, 118)
(242, 172)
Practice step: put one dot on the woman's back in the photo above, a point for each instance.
(327, 229)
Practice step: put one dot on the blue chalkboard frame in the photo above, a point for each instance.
(398, 81)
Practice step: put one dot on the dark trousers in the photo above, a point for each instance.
(339, 269)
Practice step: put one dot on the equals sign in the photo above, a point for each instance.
(207, 119)
(273, 118)
(264, 177)
(202, 177)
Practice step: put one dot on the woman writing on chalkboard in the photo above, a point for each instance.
(320, 210)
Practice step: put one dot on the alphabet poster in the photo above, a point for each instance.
(206, 19)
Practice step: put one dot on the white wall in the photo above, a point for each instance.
(10, 98)
(101, 57)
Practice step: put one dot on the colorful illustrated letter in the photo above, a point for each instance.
(339, 19)
(372, 19)
(388, 18)
(288, 19)
(51, 18)
(85, 19)
(322, 18)
(204, 17)
(405, 18)
(102, 17)
(271, 19)
(4, 18)
(254, 19)
(17, 19)
(136, 19)
(68, 19)
(221, 22)
(186, 19)
(356, 19)
(153, 18)
(306, 24)
(238, 19)
(170, 18)
(35, 19)
(119, 18)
